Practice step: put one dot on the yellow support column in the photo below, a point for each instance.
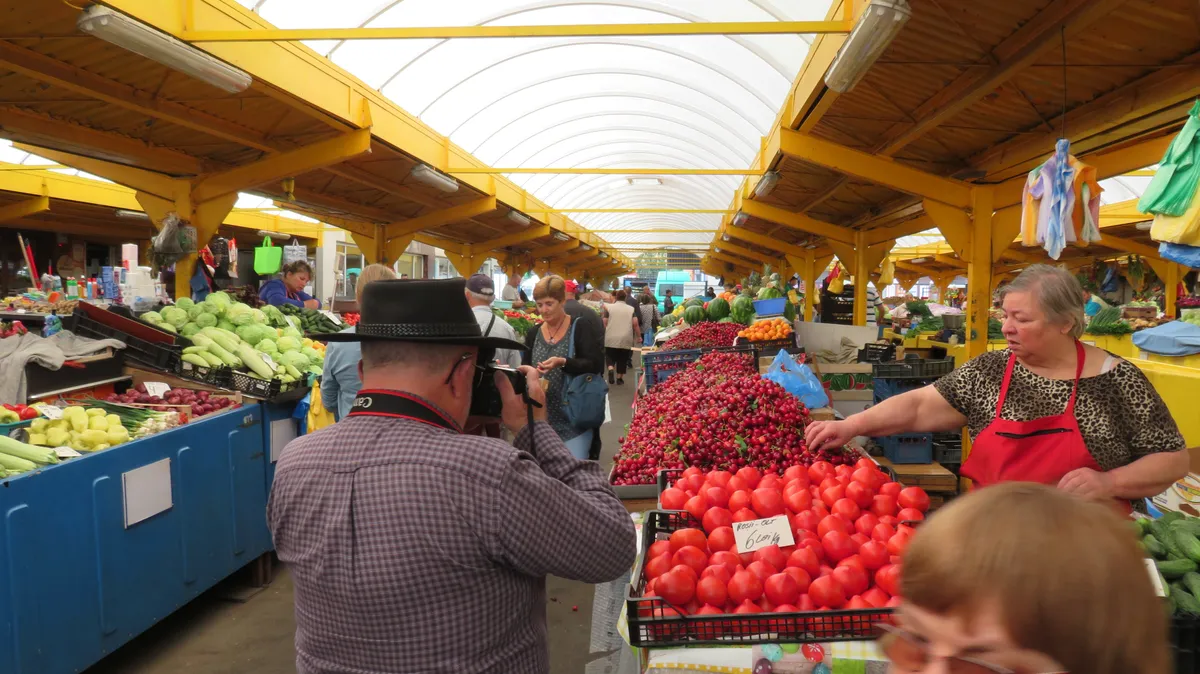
(979, 271)
(1170, 283)
(862, 275)
(806, 267)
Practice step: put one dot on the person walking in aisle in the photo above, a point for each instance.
(668, 303)
(620, 330)
(648, 318)
(340, 381)
(550, 350)
(415, 548)
(576, 309)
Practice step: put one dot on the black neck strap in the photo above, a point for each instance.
(399, 405)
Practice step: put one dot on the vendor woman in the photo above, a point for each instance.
(289, 287)
(1047, 409)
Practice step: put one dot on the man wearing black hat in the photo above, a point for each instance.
(414, 547)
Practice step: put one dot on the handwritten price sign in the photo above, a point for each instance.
(754, 534)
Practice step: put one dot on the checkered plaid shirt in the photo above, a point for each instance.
(417, 549)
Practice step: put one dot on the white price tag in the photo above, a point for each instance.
(331, 316)
(157, 388)
(1155, 578)
(754, 534)
(66, 453)
(267, 359)
(50, 411)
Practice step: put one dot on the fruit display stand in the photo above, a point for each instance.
(1118, 345)
(99, 548)
(934, 478)
(1177, 385)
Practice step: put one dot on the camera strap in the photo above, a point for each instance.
(398, 405)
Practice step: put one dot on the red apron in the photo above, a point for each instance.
(1041, 450)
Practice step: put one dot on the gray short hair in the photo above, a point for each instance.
(430, 357)
(1057, 292)
(486, 299)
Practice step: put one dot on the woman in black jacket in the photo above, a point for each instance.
(549, 351)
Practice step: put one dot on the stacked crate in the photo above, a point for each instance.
(894, 378)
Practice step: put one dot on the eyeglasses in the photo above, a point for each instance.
(910, 654)
(465, 357)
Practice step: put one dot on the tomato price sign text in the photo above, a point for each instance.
(754, 534)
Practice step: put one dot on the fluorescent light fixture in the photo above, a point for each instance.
(132, 215)
(139, 38)
(1145, 226)
(519, 218)
(645, 182)
(604, 255)
(716, 250)
(740, 219)
(879, 24)
(766, 183)
(561, 237)
(724, 237)
(422, 173)
(584, 247)
(919, 260)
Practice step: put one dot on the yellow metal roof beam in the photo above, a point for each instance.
(566, 170)
(691, 211)
(24, 208)
(735, 261)
(658, 230)
(534, 232)
(762, 240)
(734, 249)
(578, 257)
(445, 216)
(129, 176)
(494, 31)
(558, 249)
(797, 221)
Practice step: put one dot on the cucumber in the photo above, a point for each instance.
(1190, 525)
(1188, 544)
(1185, 603)
(1164, 535)
(1175, 568)
(1192, 582)
(1152, 545)
(1171, 605)
(1170, 516)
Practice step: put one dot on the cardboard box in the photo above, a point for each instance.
(1182, 497)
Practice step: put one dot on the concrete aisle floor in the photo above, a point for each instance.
(215, 635)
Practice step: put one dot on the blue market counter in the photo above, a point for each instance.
(95, 550)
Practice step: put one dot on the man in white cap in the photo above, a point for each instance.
(480, 293)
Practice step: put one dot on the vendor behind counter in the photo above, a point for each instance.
(288, 288)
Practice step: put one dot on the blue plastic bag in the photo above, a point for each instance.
(1176, 338)
(1178, 252)
(797, 379)
(300, 414)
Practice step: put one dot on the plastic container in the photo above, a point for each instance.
(660, 365)
(913, 367)
(771, 307)
(886, 388)
(1185, 642)
(219, 377)
(770, 347)
(907, 448)
(270, 390)
(877, 353)
(649, 628)
(158, 356)
(501, 304)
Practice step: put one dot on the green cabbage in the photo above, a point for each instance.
(314, 357)
(287, 343)
(224, 324)
(193, 310)
(189, 329)
(293, 358)
(206, 320)
(175, 316)
(293, 333)
(184, 303)
(152, 317)
(219, 298)
(268, 347)
(258, 317)
(214, 308)
(166, 326)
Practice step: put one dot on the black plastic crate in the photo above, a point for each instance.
(218, 377)
(651, 626)
(877, 353)
(768, 348)
(271, 390)
(913, 367)
(150, 354)
(660, 365)
(1185, 642)
(947, 455)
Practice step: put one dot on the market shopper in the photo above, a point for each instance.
(1047, 409)
(339, 379)
(480, 292)
(549, 349)
(415, 548)
(288, 287)
(512, 289)
(577, 310)
(648, 317)
(621, 329)
(668, 303)
(994, 583)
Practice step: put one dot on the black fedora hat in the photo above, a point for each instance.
(419, 310)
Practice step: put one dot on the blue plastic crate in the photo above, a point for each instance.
(908, 448)
(772, 307)
(886, 388)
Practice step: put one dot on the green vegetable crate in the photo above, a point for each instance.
(217, 377)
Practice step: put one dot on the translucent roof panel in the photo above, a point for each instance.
(596, 102)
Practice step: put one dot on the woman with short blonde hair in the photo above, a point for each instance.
(1024, 578)
(339, 380)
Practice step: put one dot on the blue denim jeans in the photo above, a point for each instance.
(580, 444)
(648, 338)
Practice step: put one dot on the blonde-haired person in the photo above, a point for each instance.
(994, 583)
(549, 351)
(339, 380)
(1047, 409)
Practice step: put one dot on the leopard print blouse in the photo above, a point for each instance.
(1121, 416)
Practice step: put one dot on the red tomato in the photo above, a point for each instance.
(767, 502)
(806, 520)
(696, 506)
(750, 476)
(717, 496)
(690, 471)
(894, 602)
(719, 478)
(910, 515)
(798, 500)
(744, 586)
(865, 476)
(720, 572)
(860, 493)
(882, 532)
(819, 471)
(874, 555)
(695, 482)
(681, 484)
(832, 523)
(796, 474)
(649, 591)
(800, 576)
(884, 505)
(672, 499)
(842, 470)
(763, 570)
(827, 592)
(736, 484)
(659, 547)
(691, 556)
(781, 589)
(738, 500)
(689, 536)
(771, 555)
(721, 538)
(857, 603)
(813, 544)
(891, 488)
(658, 566)
(888, 579)
(889, 520)
(898, 543)
(711, 590)
(820, 509)
(745, 515)
(833, 495)
(785, 608)
(766, 605)
(805, 558)
(853, 560)
(838, 546)
(716, 518)
(865, 523)
(677, 588)
(770, 481)
(847, 509)
(684, 568)
(747, 607)
(914, 497)
(866, 463)
(825, 570)
(876, 597)
(829, 483)
(726, 558)
(853, 579)
(806, 603)
(859, 538)
(708, 609)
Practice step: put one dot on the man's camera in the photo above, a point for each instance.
(485, 398)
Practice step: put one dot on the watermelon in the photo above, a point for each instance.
(769, 294)
(789, 312)
(726, 320)
(693, 302)
(742, 305)
(718, 309)
(693, 315)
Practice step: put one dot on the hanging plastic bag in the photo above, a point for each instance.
(1188, 256)
(797, 379)
(887, 272)
(838, 284)
(267, 258)
(294, 252)
(1172, 191)
(174, 240)
(1183, 229)
(318, 416)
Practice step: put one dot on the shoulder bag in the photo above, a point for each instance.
(583, 394)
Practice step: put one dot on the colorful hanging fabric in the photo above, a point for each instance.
(1056, 210)
(1060, 203)
(1173, 187)
(1086, 218)
(1181, 229)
